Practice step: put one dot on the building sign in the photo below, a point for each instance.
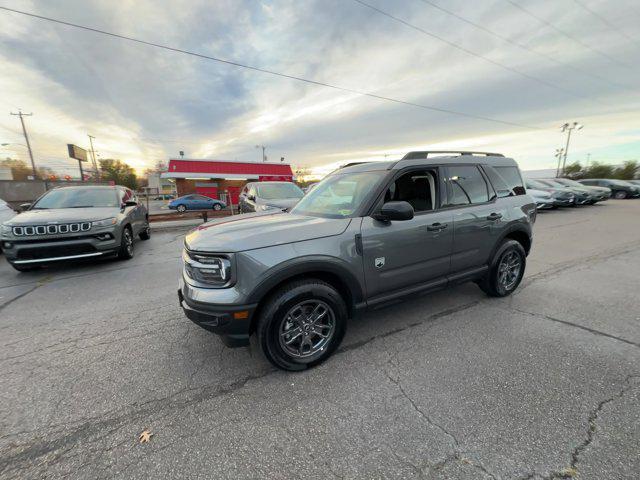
(76, 152)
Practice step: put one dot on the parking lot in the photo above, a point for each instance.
(542, 384)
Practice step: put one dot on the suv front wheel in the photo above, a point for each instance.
(302, 324)
(506, 270)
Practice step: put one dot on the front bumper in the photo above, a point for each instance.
(36, 251)
(231, 321)
(543, 203)
(563, 202)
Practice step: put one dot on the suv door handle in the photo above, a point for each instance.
(436, 227)
(494, 216)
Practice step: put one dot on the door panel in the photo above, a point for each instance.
(406, 253)
(476, 230)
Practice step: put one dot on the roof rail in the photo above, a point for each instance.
(416, 155)
(352, 164)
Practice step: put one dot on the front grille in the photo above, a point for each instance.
(54, 251)
(55, 229)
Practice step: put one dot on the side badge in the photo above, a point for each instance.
(379, 262)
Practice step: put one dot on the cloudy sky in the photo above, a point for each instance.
(531, 64)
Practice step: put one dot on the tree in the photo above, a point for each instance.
(573, 171)
(118, 172)
(598, 170)
(159, 167)
(21, 171)
(627, 171)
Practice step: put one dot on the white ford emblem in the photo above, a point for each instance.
(379, 262)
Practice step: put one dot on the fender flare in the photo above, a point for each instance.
(308, 264)
(516, 227)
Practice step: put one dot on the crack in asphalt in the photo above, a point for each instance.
(39, 284)
(592, 427)
(600, 333)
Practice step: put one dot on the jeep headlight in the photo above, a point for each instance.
(6, 230)
(107, 222)
(208, 269)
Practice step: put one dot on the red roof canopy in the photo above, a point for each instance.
(225, 169)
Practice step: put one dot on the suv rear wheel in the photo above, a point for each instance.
(506, 270)
(302, 324)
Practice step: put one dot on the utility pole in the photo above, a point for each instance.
(93, 155)
(26, 138)
(568, 127)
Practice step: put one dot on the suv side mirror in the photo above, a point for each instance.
(24, 207)
(395, 211)
(130, 203)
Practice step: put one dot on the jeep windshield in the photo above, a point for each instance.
(340, 195)
(78, 198)
(275, 191)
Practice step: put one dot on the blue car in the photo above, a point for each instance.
(196, 202)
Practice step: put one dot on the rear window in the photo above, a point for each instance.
(513, 178)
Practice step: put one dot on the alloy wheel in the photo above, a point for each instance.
(307, 329)
(509, 270)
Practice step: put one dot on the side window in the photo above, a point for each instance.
(466, 185)
(125, 195)
(499, 183)
(252, 192)
(419, 188)
(190, 197)
(513, 178)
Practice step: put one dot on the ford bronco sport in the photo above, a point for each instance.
(71, 223)
(367, 235)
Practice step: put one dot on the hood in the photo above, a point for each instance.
(598, 189)
(63, 215)
(538, 193)
(279, 202)
(248, 232)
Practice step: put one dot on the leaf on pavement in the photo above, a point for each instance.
(145, 436)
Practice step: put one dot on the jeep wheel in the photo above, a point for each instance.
(506, 270)
(619, 195)
(126, 245)
(302, 324)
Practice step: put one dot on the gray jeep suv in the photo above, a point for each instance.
(365, 236)
(71, 223)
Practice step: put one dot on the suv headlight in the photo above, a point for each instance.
(107, 222)
(208, 269)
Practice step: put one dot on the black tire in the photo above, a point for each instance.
(619, 194)
(217, 206)
(493, 283)
(274, 331)
(126, 244)
(25, 268)
(181, 208)
(146, 233)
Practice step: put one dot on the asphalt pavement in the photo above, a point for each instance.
(543, 384)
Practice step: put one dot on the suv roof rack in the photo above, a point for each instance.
(416, 155)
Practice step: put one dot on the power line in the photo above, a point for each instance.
(474, 54)
(605, 21)
(569, 36)
(524, 46)
(272, 72)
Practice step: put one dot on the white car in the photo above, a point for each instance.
(6, 214)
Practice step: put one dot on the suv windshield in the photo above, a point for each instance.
(78, 198)
(273, 191)
(339, 196)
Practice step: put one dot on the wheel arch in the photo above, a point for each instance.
(329, 270)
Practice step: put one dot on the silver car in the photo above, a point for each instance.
(72, 223)
(261, 196)
(366, 236)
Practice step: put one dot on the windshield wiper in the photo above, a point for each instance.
(82, 206)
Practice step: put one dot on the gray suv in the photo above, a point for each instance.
(71, 223)
(366, 236)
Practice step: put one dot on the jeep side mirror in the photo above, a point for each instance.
(251, 198)
(395, 211)
(130, 203)
(24, 207)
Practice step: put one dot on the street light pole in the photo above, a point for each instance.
(568, 127)
(558, 155)
(264, 157)
(93, 154)
(26, 137)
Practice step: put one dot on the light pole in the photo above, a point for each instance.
(264, 157)
(26, 138)
(568, 127)
(559, 153)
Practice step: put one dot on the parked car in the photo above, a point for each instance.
(634, 182)
(543, 199)
(6, 212)
(71, 223)
(261, 196)
(582, 195)
(601, 193)
(195, 201)
(619, 188)
(561, 196)
(368, 235)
